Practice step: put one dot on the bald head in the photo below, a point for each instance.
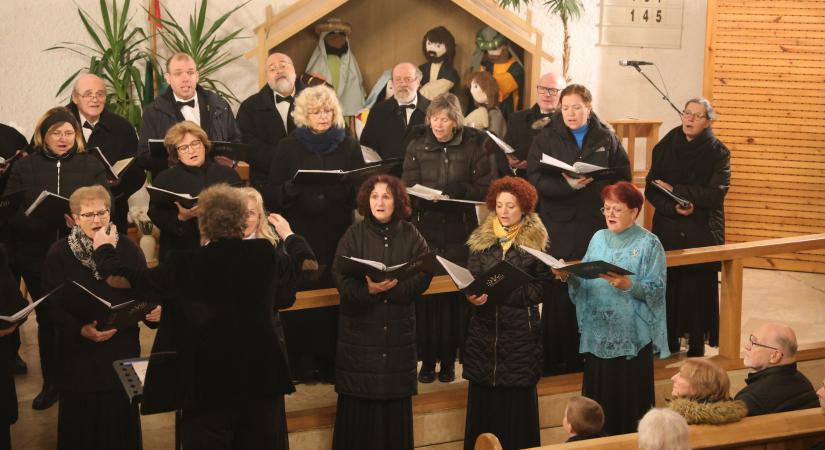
(772, 344)
(548, 88)
(783, 336)
(89, 95)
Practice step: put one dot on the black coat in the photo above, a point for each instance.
(216, 120)
(376, 355)
(521, 129)
(262, 128)
(777, 389)
(572, 216)
(385, 131)
(462, 164)
(184, 179)
(11, 301)
(10, 142)
(504, 345)
(699, 171)
(228, 350)
(35, 173)
(320, 213)
(117, 139)
(86, 366)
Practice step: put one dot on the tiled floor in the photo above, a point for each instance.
(797, 299)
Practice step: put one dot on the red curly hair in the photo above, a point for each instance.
(624, 192)
(401, 200)
(523, 191)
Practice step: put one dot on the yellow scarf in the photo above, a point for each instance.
(506, 235)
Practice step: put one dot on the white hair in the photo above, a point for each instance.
(663, 429)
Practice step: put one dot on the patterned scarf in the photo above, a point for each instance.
(506, 235)
(82, 249)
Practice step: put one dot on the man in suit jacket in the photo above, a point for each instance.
(185, 101)
(524, 125)
(390, 122)
(113, 134)
(266, 117)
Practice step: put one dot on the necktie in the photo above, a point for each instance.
(190, 103)
(403, 109)
(408, 106)
(279, 99)
(86, 124)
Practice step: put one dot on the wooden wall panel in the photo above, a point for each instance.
(765, 74)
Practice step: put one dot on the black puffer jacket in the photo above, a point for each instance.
(572, 216)
(504, 337)
(376, 355)
(699, 171)
(461, 166)
(777, 389)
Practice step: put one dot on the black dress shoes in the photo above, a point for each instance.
(18, 366)
(446, 375)
(426, 376)
(46, 398)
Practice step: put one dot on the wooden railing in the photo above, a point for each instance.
(788, 430)
(730, 305)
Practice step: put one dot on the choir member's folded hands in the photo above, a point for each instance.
(154, 315)
(381, 286)
(90, 332)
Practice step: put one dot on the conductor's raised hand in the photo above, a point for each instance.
(280, 224)
(477, 300)
(381, 286)
(185, 214)
(90, 332)
(105, 235)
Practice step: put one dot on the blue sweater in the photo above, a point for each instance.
(614, 323)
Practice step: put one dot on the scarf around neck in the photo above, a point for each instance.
(320, 143)
(506, 235)
(82, 249)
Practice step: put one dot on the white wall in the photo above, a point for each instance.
(29, 77)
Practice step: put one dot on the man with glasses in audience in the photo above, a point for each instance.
(524, 125)
(776, 385)
(112, 134)
(266, 116)
(185, 100)
(390, 122)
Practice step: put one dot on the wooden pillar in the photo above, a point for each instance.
(730, 309)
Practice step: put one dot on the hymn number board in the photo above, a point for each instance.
(641, 23)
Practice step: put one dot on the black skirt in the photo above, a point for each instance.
(97, 420)
(511, 413)
(366, 424)
(692, 299)
(560, 330)
(439, 321)
(624, 388)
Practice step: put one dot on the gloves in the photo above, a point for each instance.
(455, 190)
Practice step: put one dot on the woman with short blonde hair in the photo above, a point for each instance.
(313, 99)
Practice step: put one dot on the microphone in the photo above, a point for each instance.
(630, 63)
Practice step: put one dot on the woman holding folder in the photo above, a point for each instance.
(503, 348)
(376, 358)
(58, 164)
(621, 317)
(94, 410)
(692, 164)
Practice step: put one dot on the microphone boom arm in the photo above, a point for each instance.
(664, 96)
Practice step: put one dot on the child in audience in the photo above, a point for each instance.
(583, 419)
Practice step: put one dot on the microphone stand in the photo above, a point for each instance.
(664, 97)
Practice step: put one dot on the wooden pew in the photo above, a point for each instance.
(789, 430)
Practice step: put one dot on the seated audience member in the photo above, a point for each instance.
(776, 385)
(583, 419)
(701, 394)
(663, 429)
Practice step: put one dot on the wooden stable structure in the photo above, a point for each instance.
(385, 33)
(765, 75)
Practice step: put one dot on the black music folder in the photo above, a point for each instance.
(9, 204)
(157, 149)
(354, 177)
(682, 202)
(587, 270)
(49, 206)
(579, 169)
(498, 282)
(108, 315)
(235, 151)
(377, 271)
(159, 195)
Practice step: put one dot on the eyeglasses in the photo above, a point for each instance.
(696, 116)
(614, 210)
(753, 342)
(406, 80)
(97, 214)
(57, 134)
(192, 146)
(88, 96)
(278, 67)
(547, 90)
(320, 112)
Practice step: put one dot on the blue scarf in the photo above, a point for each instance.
(320, 143)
